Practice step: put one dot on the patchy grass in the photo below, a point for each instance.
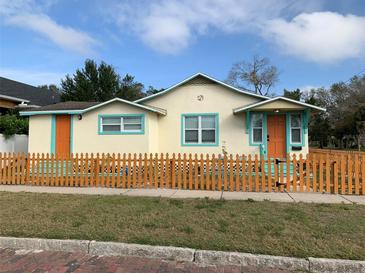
(318, 230)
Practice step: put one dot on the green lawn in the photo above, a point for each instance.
(319, 230)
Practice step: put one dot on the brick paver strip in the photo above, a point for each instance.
(157, 257)
(59, 261)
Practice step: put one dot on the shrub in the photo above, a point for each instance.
(13, 124)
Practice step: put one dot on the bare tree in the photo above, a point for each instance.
(259, 73)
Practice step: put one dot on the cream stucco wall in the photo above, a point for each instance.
(279, 105)
(86, 137)
(40, 134)
(216, 99)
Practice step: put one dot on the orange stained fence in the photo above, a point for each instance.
(322, 173)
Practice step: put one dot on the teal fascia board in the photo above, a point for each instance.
(140, 132)
(53, 134)
(182, 130)
(31, 113)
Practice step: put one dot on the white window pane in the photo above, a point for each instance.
(257, 135)
(111, 120)
(132, 120)
(295, 120)
(296, 135)
(208, 136)
(133, 127)
(257, 120)
(191, 136)
(111, 128)
(208, 122)
(191, 122)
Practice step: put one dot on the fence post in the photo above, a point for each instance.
(118, 170)
(328, 174)
(201, 169)
(231, 172)
(18, 172)
(249, 172)
(257, 187)
(307, 174)
(190, 172)
(335, 176)
(288, 172)
(196, 178)
(172, 168)
(213, 180)
(269, 175)
(356, 174)
(151, 170)
(349, 174)
(180, 169)
(295, 167)
(207, 172)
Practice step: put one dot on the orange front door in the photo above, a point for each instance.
(276, 136)
(63, 125)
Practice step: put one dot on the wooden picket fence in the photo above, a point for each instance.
(314, 173)
(335, 153)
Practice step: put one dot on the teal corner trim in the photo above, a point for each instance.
(140, 132)
(71, 132)
(182, 130)
(53, 134)
(306, 119)
(263, 144)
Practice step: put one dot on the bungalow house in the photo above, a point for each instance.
(198, 115)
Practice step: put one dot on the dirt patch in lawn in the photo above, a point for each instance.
(285, 229)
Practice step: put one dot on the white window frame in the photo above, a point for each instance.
(200, 129)
(300, 128)
(122, 127)
(252, 129)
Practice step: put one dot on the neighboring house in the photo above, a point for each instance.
(14, 94)
(197, 115)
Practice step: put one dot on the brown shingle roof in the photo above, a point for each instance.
(69, 105)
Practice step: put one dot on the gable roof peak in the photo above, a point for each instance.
(246, 92)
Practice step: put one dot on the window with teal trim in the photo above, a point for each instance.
(257, 127)
(296, 128)
(121, 124)
(200, 129)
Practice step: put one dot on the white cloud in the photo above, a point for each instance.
(169, 26)
(299, 28)
(319, 36)
(26, 14)
(32, 77)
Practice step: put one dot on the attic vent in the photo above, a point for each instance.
(200, 81)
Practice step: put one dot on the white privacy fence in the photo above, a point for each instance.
(16, 143)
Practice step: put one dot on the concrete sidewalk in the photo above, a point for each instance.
(178, 193)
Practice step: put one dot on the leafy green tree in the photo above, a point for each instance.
(293, 94)
(99, 83)
(51, 87)
(344, 121)
(151, 90)
(130, 89)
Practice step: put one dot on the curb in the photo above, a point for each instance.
(203, 257)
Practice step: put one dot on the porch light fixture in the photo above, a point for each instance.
(276, 111)
(79, 117)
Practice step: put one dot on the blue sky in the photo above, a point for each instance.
(313, 43)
